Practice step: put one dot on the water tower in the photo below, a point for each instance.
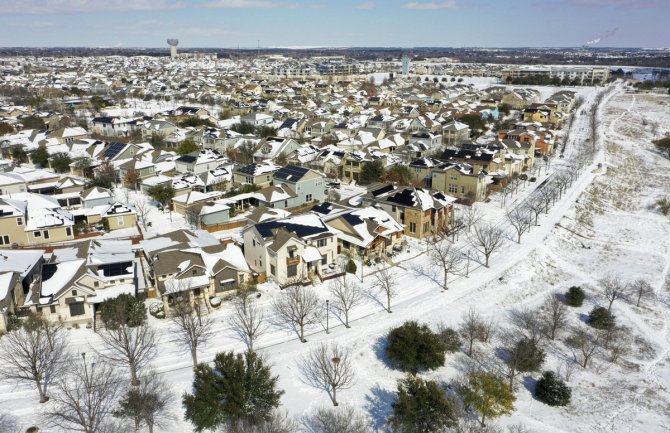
(405, 65)
(173, 47)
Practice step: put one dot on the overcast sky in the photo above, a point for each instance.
(336, 23)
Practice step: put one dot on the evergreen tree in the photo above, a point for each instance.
(414, 347)
(372, 171)
(161, 193)
(60, 162)
(40, 155)
(125, 309)
(238, 388)
(422, 407)
(487, 394)
(575, 296)
(552, 391)
(601, 318)
(187, 146)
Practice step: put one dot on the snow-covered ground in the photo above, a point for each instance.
(606, 223)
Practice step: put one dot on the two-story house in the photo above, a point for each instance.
(293, 250)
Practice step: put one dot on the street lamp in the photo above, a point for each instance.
(327, 315)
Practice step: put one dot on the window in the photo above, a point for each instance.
(45, 233)
(321, 243)
(52, 309)
(96, 284)
(272, 270)
(324, 259)
(462, 190)
(393, 208)
(68, 231)
(308, 197)
(19, 221)
(119, 220)
(194, 271)
(4, 240)
(77, 309)
(454, 177)
(74, 293)
(412, 227)
(37, 234)
(292, 271)
(453, 188)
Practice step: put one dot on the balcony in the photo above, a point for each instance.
(292, 261)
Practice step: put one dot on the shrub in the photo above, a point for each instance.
(125, 309)
(601, 318)
(664, 206)
(575, 296)
(351, 267)
(157, 311)
(552, 391)
(450, 339)
(413, 347)
(422, 406)
(532, 179)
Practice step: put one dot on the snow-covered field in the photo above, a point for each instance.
(605, 224)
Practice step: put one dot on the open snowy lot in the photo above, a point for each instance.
(606, 224)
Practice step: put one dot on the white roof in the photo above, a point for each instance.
(311, 254)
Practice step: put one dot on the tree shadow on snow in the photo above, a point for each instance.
(376, 297)
(379, 404)
(379, 349)
(529, 383)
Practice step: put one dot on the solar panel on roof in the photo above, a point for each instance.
(114, 149)
(291, 172)
(48, 270)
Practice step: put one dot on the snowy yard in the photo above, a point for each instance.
(605, 224)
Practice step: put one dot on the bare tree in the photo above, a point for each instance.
(347, 294)
(471, 216)
(84, 397)
(529, 323)
(247, 320)
(246, 151)
(148, 404)
(554, 315)
(143, 208)
(192, 330)
(488, 238)
(614, 288)
(298, 306)
(342, 420)
(192, 217)
(329, 367)
(519, 218)
(546, 193)
(276, 422)
(33, 354)
(584, 345)
(472, 329)
(386, 282)
(131, 346)
(642, 289)
(536, 205)
(443, 259)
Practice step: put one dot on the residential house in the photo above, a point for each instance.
(200, 161)
(422, 212)
(295, 250)
(367, 232)
(308, 185)
(259, 175)
(461, 180)
(32, 219)
(454, 133)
